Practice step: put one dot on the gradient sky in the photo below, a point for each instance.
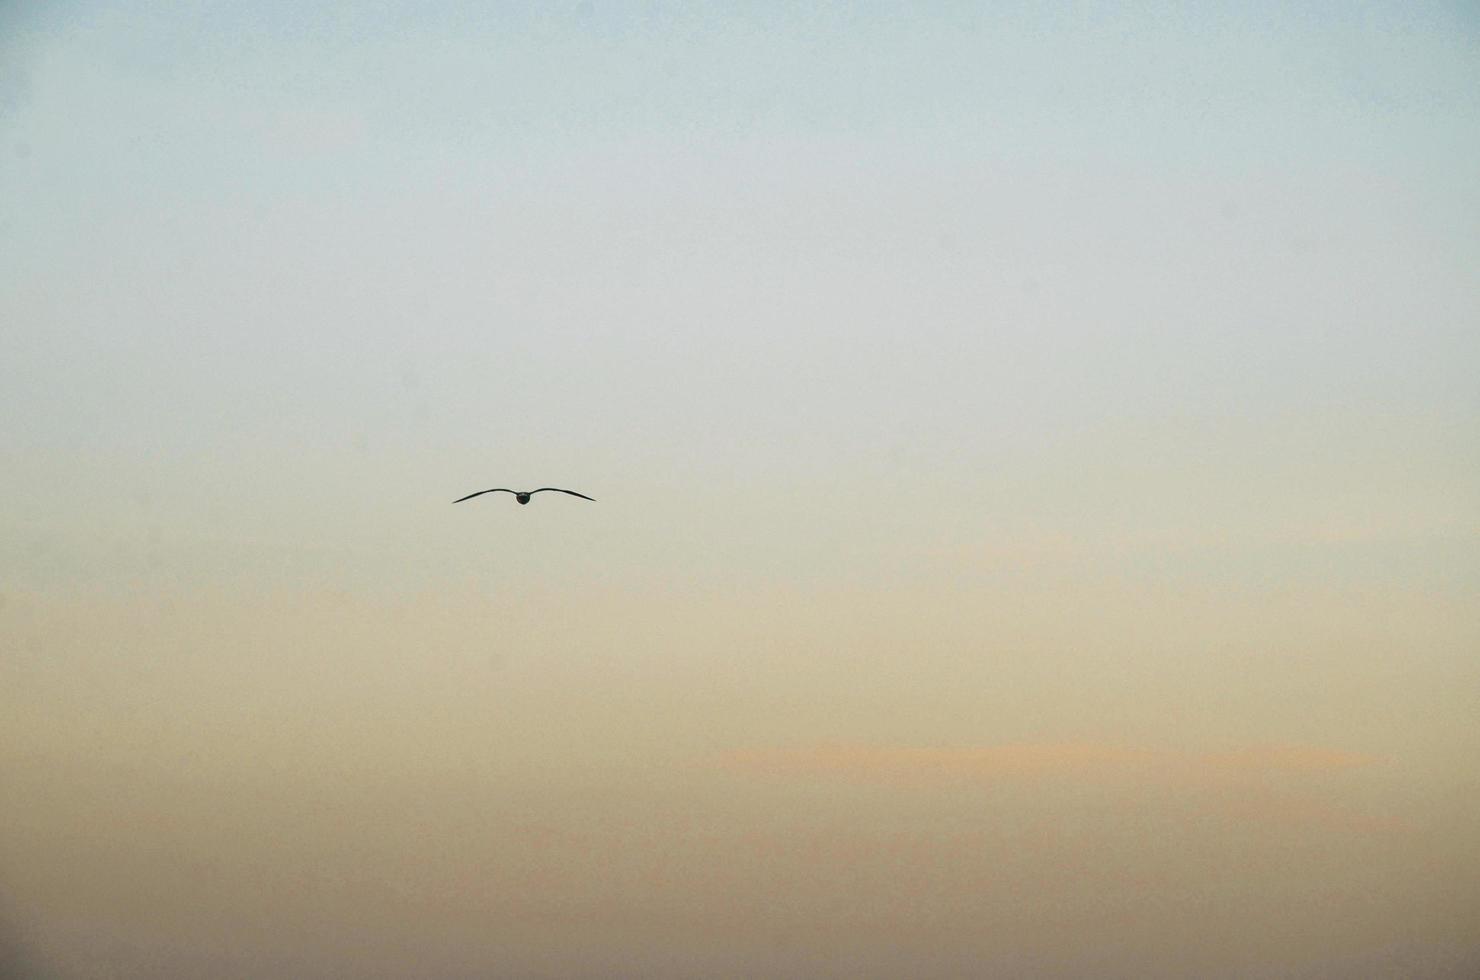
(1037, 453)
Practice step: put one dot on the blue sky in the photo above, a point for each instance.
(959, 383)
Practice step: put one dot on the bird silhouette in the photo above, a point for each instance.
(523, 495)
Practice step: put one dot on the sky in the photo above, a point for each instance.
(1035, 452)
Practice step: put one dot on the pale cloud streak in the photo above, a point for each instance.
(1270, 784)
(1032, 759)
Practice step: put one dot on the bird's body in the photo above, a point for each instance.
(523, 495)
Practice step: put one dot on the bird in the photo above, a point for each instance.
(523, 495)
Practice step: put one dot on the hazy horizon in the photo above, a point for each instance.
(1037, 523)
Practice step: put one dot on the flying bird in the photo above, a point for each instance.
(523, 495)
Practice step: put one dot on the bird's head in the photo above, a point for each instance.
(523, 498)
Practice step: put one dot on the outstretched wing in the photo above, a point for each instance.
(571, 492)
(481, 493)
